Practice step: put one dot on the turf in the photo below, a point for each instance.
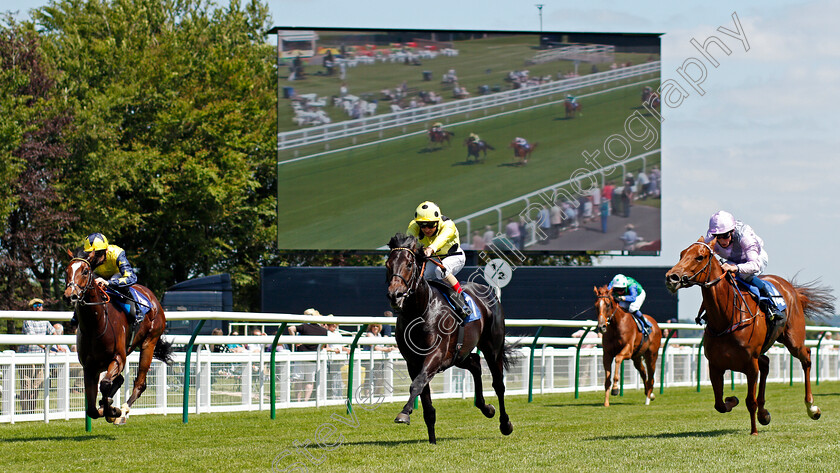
(679, 431)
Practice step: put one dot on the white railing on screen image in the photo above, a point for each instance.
(223, 382)
(348, 128)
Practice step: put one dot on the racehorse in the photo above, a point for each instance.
(572, 108)
(476, 147)
(650, 99)
(736, 334)
(427, 333)
(440, 137)
(522, 153)
(622, 340)
(103, 339)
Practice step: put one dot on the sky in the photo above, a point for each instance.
(760, 141)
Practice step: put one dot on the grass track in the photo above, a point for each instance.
(324, 198)
(679, 431)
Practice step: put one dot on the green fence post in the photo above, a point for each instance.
(699, 355)
(732, 379)
(362, 330)
(662, 363)
(274, 370)
(577, 362)
(88, 423)
(531, 365)
(185, 416)
(791, 368)
(819, 342)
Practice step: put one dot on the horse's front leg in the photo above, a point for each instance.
(419, 378)
(91, 392)
(608, 360)
(763, 370)
(429, 415)
(716, 377)
(108, 387)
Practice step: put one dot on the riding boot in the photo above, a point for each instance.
(645, 326)
(766, 301)
(134, 315)
(463, 309)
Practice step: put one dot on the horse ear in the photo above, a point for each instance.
(69, 253)
(701, 240)
(595, 289)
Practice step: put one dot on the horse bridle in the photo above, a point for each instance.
(409, 284)
(692, 282)
(86, 288)
(615, 310)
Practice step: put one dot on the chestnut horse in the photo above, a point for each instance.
(103, 339)
(622, 340)
(522, 153)
(571, 108)
(427, 334)
(736, 329)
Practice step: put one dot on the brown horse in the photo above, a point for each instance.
(650, 99)
(522, 153)
(103, 339)
(622, 340)
(427, 334)
(736, 333)
(572, 108)
(476, 148)
(440, 137)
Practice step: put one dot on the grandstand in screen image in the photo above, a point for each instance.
(355, 155)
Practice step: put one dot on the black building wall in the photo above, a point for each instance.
(533, 292)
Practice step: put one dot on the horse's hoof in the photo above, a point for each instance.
(614, 392)
(120, 420)
(814, 412)
(647, 401)
(652, 396)
(403, 418)
(110, 419)
(764, 417)
(489, 411)
(506, 428)
(731, 402)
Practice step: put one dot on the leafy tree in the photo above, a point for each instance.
(33, 122)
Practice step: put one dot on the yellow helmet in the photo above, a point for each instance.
(95, 242)
(427, 212)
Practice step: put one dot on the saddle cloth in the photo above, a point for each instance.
(476, 312)
(772, 289)
(143, 302)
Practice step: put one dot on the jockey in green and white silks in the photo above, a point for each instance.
(630, 296)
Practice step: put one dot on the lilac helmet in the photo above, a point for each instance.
(721, 222)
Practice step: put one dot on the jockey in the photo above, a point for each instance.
(474, 138)
(437, 127)
(572, 99)
(112, 269)
(439, 236)
(744, 253)
(630, 296)
(521, 142)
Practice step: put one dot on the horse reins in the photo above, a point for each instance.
(707, 284)
(84, 290)
(408, 284)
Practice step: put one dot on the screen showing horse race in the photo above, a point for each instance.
(532, 142)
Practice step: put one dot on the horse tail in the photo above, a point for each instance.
(816, 299)
(509, 358)
(487, 145)
(163, 351)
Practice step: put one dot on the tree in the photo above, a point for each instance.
(33, 122)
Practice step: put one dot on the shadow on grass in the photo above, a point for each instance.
(826, 394)
(75, 438)
(670, 435)
(467, 163)
(397, 443)
(589, 404)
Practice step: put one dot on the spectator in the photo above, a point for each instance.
(488, 235)
(629, 237)
(627, 197)
(556, 220)
(59, 330)
(477, 241)
(307, 368)
(607, 192)
(218, 348)
(591, 335)
(32, 377)
(655, 182)
(235, 347)
(255, 347)
(605, 212)
(643, 183)
(513, 233)
(335, 363)
(544, 222)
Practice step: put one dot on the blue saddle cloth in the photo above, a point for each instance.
(771, 289)
(476, 312)
(143, 302)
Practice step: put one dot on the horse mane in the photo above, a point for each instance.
(401, 240)
(816, 299)
(80, 252)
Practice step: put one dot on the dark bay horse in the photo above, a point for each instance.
(475, 148)
(737, 330)
(427, 334)
(440, 137)
(622, 340)
(522, 153)
(103, 339)
(572, 108)
(650, 99)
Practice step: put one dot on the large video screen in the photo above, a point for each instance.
(537, 142)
